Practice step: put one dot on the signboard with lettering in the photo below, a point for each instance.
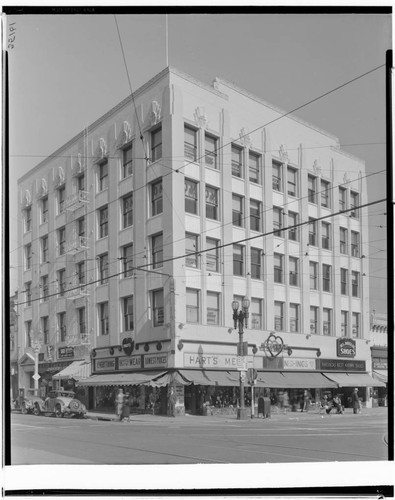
(220, 361)
(341, 365)
(65, 352)
(299, 364)
(105, 365)
(381, 364)
(346, 348)
(155, 360)
(132, 363)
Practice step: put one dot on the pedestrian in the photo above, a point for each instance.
(171, 403)
(355, 401)
(306, 401)
(285, 401)
(119, 403)
(125, 415)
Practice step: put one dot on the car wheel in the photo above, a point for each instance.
(36, 410)
(58, 412)
(23, 408)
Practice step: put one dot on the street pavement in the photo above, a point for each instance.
(149, 439)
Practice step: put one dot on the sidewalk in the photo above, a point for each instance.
(366, 412)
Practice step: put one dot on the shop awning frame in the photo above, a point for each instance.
(121, 379)
(353, 379)
(204, 377)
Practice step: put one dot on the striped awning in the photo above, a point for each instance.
(113, 379)
(214, 377)
(77, 370)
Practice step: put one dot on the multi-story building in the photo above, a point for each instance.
(14, 350)
(379, 350)
(139, 233)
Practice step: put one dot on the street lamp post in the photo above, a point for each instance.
(240, 319)
(36, 346)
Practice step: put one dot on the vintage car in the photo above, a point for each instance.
(28, 401)
(62, 403)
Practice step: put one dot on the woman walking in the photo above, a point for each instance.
(119, 403)
(125, 415)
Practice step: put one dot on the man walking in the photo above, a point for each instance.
(172, 403)
(355, 401)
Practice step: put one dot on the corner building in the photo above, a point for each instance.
(138, 234)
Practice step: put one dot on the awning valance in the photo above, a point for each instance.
(204, 377)
(381, 375)
(77, 370)
(274, 380)
(113, 379)
(169, 378)
(307, 381)
(354, 380)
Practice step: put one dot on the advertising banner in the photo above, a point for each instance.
(341, 365)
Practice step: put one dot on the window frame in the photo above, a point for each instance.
(278, 222)
(216, 310)
(237, 215)
(256, 264)
(127, 316)
(28, 219)
(356, 325)
(28, 256)
(82, 325)
(44, 249)
(157, 251)
(158, 296)
(355, 284)
(209, 254)
(62, 326)
(156, 147)
(278, 268)
(127, 211)
(192, 310)
(61, 279)
(293, 220)
(279, 319)
(343, 281)
(213, 206)
(61, 240)
(314, 320)
(44, 288)
(255, 215)
(277, 180)
(237, 161)
(342, 198)
(103, 178)
(192, 256)
(127, 162)
(294, 308)
(313, 278)
(103, 221)
(256, 317)
(325, 193)
(195, 200)
(104, 319)
(294, 171)
(343, 243)
(156, 199)
(45, 328)
(44, 209)
(190, 149)
(354, 202)
(61, 197)
(312, 189)
(127, 263)
(103, 269)
(326, 278)
(211, 153)
(327, 312)
(239, 261)
(355, 244)
(294, 272)
(326, 235)
(256, 179)
(313, 232)
(344, 323)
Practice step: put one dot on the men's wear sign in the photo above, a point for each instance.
(132, 363)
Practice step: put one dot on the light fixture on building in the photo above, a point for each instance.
(180, 345)
(308, 336)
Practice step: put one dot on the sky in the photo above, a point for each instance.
(65, 71)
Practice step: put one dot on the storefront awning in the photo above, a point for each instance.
(112, 379)
(307, 381)
(274, 380)
(204, 377)
(168, 378)
(76, 370)
(381, 375)
(354, 380)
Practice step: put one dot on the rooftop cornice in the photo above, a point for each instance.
(348, 155)
(198, 83)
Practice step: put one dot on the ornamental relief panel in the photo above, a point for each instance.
(125, 136)
(200, 117)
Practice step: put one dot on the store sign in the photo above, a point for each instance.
(204, 361)
(273, 345)
(131, 363)
(346, 348)
(299, 364)
(66, 352)
(341, 365)
(155, 360)
(127, 346)
(379, 365)
(105, 365)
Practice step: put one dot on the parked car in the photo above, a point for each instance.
(62, 403)
(28, 402)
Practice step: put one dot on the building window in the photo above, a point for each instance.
(238, 260)
(158, 307)
(45, 329)
(278, 268)
(61, 281)
(128, 319)
(212, 255)
(156, 198)
(127, 211)
(356, 333)
(213, 314)
(62, 240)
(212, 203)
(44, 210)
(81, 227)
(127, 261)
(313, 275)
(81, 274)
(326, 235)
(256, 264)
(192, 306)
(278, 215)
(156, 144)
(312, 232)
(256, 314)
(292, 181)
(344, 323)
(81, 318)
(28, 219)
(255, 215)
(294, 317)
(44, 288)
(254, 168)
(191, 249)
(278, 316)
(28, 257)
(325, 194)
(293, 221)
(191, 197)
(103, 175)
(237, 211)
(103, 222)
(28, 332)
(355, 284)
(103, 269)
(326, 278)
(104, 319)
(61, 199)
(237, 161)
(312, 189)
(62, 326)
(127, 162)
(355, 244)
(157, 251)
(342, 198)
(28, 292)
(44, 249)
(293, 271)
(327, 321)
(276, 176)
(313, 320)
(81, 183)
(190, 143)
(354, 203)
(343, 240)
(210, 148)
(343, 281)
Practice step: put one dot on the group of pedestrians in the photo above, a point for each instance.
(123, 403)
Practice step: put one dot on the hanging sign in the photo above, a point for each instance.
(128, 346)
(346, 348)
(273, 345)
